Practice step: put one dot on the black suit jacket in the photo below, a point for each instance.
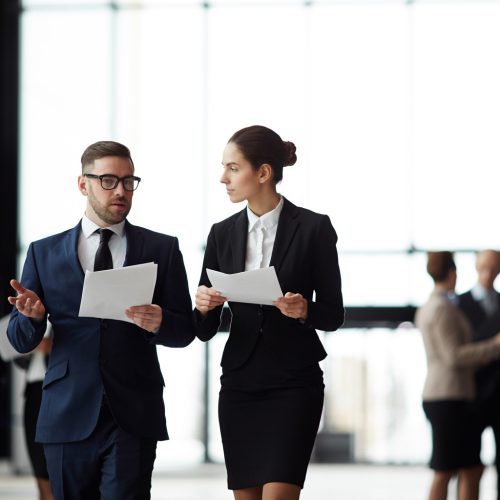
(483, 327)
(305, 258)
(89, 355)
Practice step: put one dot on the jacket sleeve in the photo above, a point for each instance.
(208, 326)
(177, 327)
(326, 312)
(457, 353)
(24, 333)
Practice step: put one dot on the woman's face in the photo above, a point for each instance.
(241, 180)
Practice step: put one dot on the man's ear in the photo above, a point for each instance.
(82, 186)
(265, 173)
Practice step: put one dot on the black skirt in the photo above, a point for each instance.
(456, 434)
(32, 402)
(269, 419)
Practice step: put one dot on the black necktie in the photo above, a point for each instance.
(103, 259)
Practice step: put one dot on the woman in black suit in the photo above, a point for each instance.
(271, 395)
(35, 365)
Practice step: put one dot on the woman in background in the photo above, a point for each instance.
(35, 365)
(271, 395)
(449, 386)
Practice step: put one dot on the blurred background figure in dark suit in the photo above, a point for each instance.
(481, 305)
(449, 389)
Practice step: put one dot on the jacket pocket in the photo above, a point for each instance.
(55, 372)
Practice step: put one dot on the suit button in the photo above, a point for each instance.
(261, 330)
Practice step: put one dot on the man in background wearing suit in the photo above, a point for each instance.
(102, 409)
(481, 305)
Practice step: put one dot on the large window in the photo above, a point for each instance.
(394, 108)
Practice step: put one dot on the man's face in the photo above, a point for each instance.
(107, 207)
(488, 267)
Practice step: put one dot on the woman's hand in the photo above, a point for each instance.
(292, 305)
(207, 299)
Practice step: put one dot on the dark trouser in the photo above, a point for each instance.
(109, 465)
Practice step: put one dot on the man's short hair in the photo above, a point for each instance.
(104, 148)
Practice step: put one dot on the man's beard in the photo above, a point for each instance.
(107, 215)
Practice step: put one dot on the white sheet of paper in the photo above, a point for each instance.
(7, 352)
(259, 286)
(106, 294)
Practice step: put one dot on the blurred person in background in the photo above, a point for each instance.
(481, 305)
(35, 365)
(449, 388)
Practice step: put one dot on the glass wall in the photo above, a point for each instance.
(395, 111)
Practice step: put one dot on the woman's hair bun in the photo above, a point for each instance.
(290, 156)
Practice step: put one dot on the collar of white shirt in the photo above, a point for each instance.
(480, 293)
(268, 220)
(89, 227)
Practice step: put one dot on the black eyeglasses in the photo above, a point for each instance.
(109, 181)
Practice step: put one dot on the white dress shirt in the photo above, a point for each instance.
(37, 367)
(261, 236)
(88, 243)
(487, 298)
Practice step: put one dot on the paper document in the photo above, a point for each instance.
(7, 352)
(259, 286)
(106, 294)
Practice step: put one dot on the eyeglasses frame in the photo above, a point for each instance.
(118, 180)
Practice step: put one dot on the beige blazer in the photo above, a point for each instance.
(451, 354)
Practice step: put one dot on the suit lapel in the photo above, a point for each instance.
(287, 227)
(71, 249)
(135, 242)
(238, 238)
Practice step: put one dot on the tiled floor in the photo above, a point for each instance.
(324, 482)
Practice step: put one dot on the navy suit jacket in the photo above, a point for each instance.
(91, 356)
(305, 259)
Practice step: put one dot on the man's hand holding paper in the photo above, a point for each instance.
(148, 316)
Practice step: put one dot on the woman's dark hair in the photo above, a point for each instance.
(439, 265)
(104, 148)
(260, 144)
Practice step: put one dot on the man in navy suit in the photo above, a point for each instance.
(481, 305)
(102, 409)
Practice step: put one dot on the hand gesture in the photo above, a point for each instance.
(207, 299)
(148, 316)
(27, 302)
(292, 305)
